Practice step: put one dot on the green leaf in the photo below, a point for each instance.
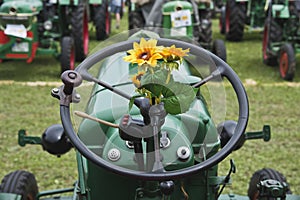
(154, 82)
(180, 101)
(176, 96)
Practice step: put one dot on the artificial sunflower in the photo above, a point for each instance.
(144, 53)
(154, 79)
(172, 53)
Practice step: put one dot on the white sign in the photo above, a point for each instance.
(20, 47)
(17, 30)
(181, 18)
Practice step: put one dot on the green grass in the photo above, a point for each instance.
(272, 101)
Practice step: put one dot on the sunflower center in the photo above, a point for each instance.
(144, 56)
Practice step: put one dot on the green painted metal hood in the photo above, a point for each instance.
(21, 7)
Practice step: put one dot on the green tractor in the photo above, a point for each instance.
(29, 28)
(238, 15)
(281, 41)
(142, 129)
(177, 19)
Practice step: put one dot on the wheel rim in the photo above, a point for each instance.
(107, 23)
(227, 20)
(283, 64)
(265, 43)
(85, 34)
(72, 58)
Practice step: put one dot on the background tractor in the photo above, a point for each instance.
(238, 15)
(281, 41)
(137, 144)
(177, 19)
(33, 27)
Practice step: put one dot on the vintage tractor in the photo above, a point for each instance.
(281, 41)
(177, 19)
(146, 129)
(34, 27)
(238, 15)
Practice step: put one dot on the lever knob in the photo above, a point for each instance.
(71, 79)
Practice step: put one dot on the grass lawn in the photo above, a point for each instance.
(272, 101)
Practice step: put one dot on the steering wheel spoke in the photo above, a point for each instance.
(218, 72)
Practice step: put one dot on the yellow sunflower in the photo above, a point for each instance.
(144, 53)
(172, 53)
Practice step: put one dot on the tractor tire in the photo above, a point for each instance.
(67, 57)
(235, 20)
(272, 33)
(20, 182)
(287, 62)
(136, 21)
(219, 49)
(222, 20)
(261, 175)
(102, 21)
(205, 35)
(80, 31)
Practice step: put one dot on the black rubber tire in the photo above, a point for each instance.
(287, 62)
(235, 20)
(102, 21)
(205, 35)
(222, 20)
(219, 49)
(136, 21)
(79, 24)
(67, 57)
(20, 182)
(272, 33)
(260, 175)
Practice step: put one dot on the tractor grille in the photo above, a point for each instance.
(5, 19)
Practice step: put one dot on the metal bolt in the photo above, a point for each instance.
(77, 96)
(72, 75)
(183, 152)
(114, 154)
(140, 194)
(55, 90)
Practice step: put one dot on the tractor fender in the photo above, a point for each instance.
(280, 11)
(10, 196)
(96, 2)
(68, 2)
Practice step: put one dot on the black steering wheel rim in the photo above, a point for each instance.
(169, 175)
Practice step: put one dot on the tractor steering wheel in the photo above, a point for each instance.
(223, 69)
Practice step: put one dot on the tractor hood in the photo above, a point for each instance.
(21, 7)
(19, 12)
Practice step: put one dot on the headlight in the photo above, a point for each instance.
(48, 25)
